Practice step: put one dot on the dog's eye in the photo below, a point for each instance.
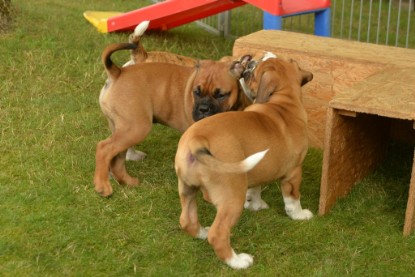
(197, 91)
(220, 96)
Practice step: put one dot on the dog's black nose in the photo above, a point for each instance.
(204, 108)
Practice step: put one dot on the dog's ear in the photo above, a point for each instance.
(306, 76)
(264, 92)
(236, 70)
(245, 59)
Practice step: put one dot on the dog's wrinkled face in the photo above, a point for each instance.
(268, 77)
(215, 88)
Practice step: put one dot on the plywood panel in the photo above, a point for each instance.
(390, 93)
(410, 207)
(329, 47)
(354, 146)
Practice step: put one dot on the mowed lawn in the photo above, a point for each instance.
(52, 223)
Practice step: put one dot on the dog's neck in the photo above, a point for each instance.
(288, 99)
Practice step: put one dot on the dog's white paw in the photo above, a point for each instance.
(133, 155)
(301, 215)
(240, 261)
(253, 200)
(255, 205)
(294, 210)
(203, 233)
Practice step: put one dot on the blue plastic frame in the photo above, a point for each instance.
(322, 20)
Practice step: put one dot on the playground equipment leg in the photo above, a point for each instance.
(321, 22)
(272, 22)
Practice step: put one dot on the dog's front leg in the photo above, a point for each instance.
(253, 200)
(134, 155)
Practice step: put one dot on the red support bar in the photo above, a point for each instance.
(171, 13)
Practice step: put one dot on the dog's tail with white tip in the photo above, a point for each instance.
(138, 54)
(140, 29)
(112, 69)
(203, 155)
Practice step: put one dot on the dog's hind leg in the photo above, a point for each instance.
(229, 199)
(108, 157)
(104, 154)
(189, 221)
(119, 170)
(290, 188)
(127, 138)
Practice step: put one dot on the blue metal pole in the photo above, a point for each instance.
(272, 22)
(322, 23)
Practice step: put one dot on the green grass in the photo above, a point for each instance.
(52, 223)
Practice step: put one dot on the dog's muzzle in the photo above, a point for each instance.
(204, 108)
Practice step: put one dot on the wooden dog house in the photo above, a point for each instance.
(361, 95)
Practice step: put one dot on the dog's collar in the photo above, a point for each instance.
(250, 68)
(247, 91)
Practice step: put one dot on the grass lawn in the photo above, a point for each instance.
(52, 223)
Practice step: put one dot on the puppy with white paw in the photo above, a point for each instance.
(225, 154)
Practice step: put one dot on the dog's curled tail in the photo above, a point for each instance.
(203, 155)
(138, 54)
(112, 69)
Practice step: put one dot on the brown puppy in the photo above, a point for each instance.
(216, 155)
(136, 96)
(140, 55)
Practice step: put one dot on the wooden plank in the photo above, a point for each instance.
(354, 147)
(410, 207)
(327, 198)
(389, 93)
(330, 47)
(347, 113)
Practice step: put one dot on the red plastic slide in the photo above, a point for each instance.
(172, 13)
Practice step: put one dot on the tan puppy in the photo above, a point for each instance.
(139, 95)
(140, 55)
(216, 155)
